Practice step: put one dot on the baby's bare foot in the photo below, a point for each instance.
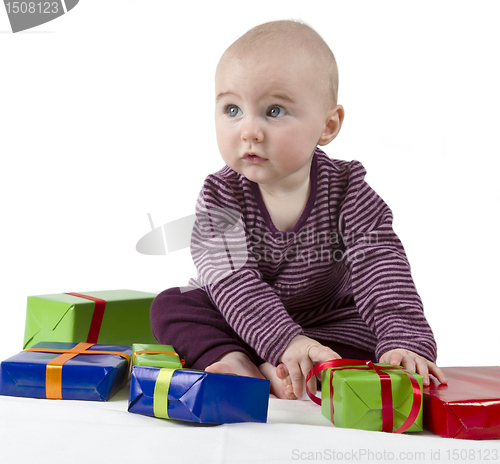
(235, 362)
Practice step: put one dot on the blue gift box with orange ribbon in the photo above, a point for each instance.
(70, 371)
(196, 396)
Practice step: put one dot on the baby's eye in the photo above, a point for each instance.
(276, 111)
(232, 111)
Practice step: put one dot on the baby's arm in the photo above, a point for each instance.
(297, 360)
(381, 281)
(413, 362)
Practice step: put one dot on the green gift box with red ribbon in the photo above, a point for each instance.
(363, 395)
(110, 317)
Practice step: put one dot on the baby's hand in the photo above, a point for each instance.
(413, 362)
(297, 360)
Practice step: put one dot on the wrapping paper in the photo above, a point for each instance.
(153, 355)
(196, 396)
(362, 395)
(468, 407)
(93, 377)
(122, 319)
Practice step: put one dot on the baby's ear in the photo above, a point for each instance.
(333, 123)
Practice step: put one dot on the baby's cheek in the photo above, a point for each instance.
(226, 143)
(223, 133)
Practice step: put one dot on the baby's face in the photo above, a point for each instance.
(270, 114)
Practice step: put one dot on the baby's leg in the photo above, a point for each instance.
(196, 329)
(201, 335)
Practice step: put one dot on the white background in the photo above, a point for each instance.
(106, 114)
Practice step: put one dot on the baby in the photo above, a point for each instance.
(297, 260)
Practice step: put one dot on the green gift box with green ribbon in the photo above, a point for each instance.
(197, 396)
(367, 396)
(112, 317)
(154, 355)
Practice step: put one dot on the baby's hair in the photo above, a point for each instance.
(294, 37)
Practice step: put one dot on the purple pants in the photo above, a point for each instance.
(200, 334)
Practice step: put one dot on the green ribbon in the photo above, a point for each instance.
(160, 396)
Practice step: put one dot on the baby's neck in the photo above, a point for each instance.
(286, 207)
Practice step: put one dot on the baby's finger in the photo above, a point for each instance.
(386, 357)
(394, 359)
(422, 369)
(282, 371)
(313, 384)
(295, 374)
(322, 353)
(408, 362)
(286, 382)
(438, 373)
(306, 365)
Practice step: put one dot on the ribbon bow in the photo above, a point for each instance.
(385, 388)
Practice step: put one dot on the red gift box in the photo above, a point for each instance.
(468, 407)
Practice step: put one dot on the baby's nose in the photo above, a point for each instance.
(251, 131)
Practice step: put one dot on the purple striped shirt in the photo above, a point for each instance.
(340, 274)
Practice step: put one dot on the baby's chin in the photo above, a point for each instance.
(252, 172)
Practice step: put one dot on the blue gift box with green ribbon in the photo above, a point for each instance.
(196, 396)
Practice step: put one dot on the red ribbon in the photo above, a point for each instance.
(95, 325)
(385, 389)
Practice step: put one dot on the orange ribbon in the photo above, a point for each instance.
(157, 352)
(53, 373)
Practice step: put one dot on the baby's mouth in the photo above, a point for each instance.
(253, 158)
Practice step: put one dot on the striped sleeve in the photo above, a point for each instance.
(382, 285)
(229, 273)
